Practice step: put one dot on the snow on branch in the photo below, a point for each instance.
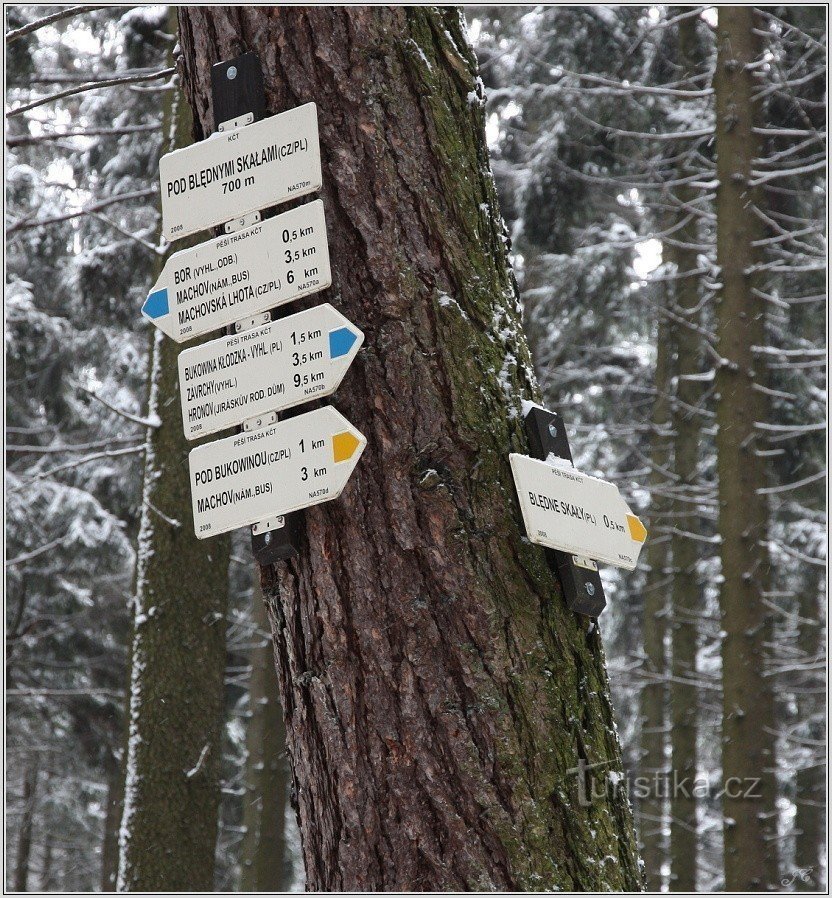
(66, 13)
(30, 139)
(109, 453)
(25, 224)
(151, 421)
(28, 556)
(67, 448)
(786, 487)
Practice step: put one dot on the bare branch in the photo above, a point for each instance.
(110, 453)
(28, 556)
(66, 13)
(83, 88)
(25, 224)
(157, 250)
(144, 422)
(81, 77)
(27, 139)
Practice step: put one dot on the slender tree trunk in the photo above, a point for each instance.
(654, 693)
(686, 593)
(46, 880)
(265, 865)
(112, 820)
(748, 709)
(172, 789)
(810, 780)
(24, 841)
(438, 695)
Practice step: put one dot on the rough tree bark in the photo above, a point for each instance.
(172, 790)
(438, 694)
(263, 856)
(748, 707)
(654, 692)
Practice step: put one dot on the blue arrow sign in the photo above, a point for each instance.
(156, 305)
(341, 342)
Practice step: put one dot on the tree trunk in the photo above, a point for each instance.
(46, 880)
(264, 861)
(810, 780)
(748, 714)
(438, 694)
(172, 788)
(112, 820)
(24, 840)
(686, 598)
(653, 699)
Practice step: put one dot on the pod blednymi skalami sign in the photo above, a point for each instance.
(267, 369)
(216, 283)
(261, 474)
(573, 512)
(236, 172)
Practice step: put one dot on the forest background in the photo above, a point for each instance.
(600, 124)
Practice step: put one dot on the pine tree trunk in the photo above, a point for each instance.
(686, 595)
(46, 881)
(654, 693)
(686, 598)
(438, 694)
(112, 820)
(810, 780)
(172, 788)
(748, 713)
(263, 852)
(24, 839)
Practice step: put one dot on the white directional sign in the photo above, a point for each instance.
(236, 172)
(270, 368)
(265, 473)
(208, 286)
(573, 512)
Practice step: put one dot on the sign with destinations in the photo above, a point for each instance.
(573, 512)
(216, 283)
(270, 368)
(236, 172)
(261, 474)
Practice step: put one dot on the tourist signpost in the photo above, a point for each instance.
(274, 468)
(570, 511)
(239, 171)
(266, 369)
(239, 275)
(261, 474)
(263, 367)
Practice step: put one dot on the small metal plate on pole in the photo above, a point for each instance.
(579, 577)
(237, 88)
(238, 91)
